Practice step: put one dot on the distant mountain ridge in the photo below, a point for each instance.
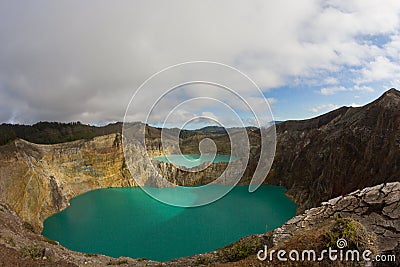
(222, 130)
(54, 132)
(58, 132)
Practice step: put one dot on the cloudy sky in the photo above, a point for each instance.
(72, 60)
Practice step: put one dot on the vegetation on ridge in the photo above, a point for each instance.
(54, 132)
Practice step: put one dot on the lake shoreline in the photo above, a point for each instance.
(223, 212)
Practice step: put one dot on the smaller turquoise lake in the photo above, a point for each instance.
(193, 160)
(128, 222)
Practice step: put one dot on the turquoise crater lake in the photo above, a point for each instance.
(128, 222)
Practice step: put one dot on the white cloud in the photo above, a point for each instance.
(323, 107)
(363, 88)
(381, 68)
(332, 90)
(355, 105)
(82, 60)
(393, 47)
(271, 100)
(330, 80)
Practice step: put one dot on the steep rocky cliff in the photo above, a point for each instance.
(339, 152)
(39, 180)
(327, 156)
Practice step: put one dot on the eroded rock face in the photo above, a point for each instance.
(39, 180)
(339, 152)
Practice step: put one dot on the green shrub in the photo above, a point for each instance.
(10, 241)
(33, 251)
(352, 231)
(237, 251)
(28, 226)
(202, 261)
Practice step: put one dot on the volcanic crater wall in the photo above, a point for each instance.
(317, 159)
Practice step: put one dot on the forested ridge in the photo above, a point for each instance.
(54, 132)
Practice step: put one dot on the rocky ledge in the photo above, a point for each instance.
(376, 208)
